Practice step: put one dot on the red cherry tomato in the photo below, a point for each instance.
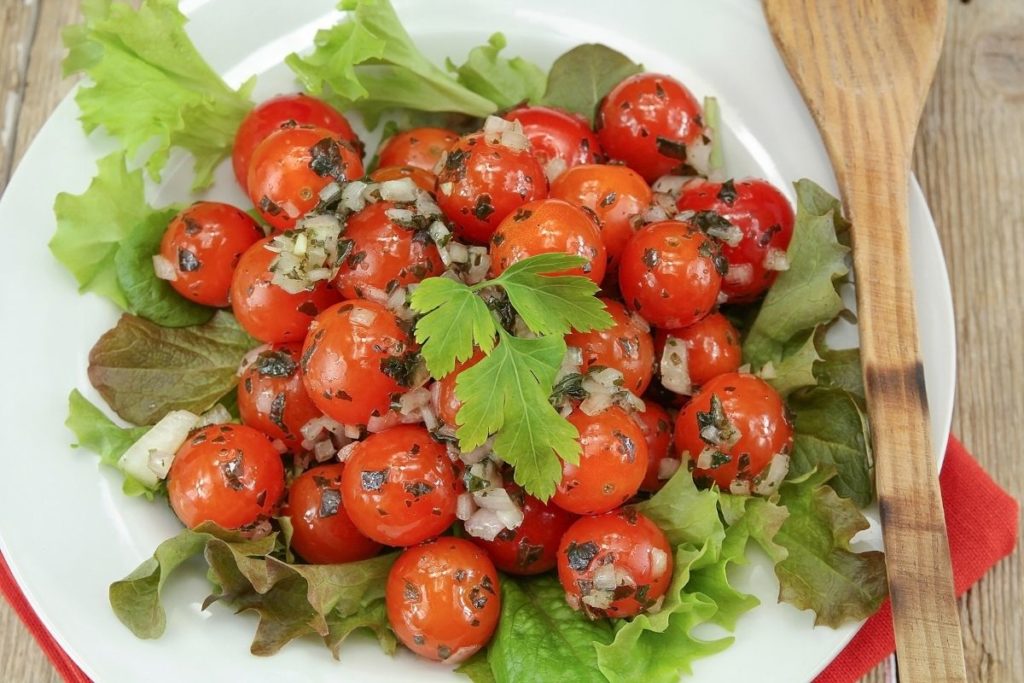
(400, 487)
(230, 475)
(612, 463)
(443, 599)
(204, 243)
(557, 134)
(549, 226)
(280, 112)
(748, 427)
(618, 564)
(647, 121)
(419, 147)
(625, 346)
(532, 547)
(712, 347)
(384, 254)
(266, 311)
(482, 182)
(761, 212)
(615, 194)
(291, 166)
(353, 361)
(322, 532)
(446, 403)
(670, 274)
(425, 180)
(272, 398)
(656, 424)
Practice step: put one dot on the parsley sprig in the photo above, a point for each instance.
(506, 394)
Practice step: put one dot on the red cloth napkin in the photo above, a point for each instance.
(981, 520)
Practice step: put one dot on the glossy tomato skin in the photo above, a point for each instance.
(418, 147)
(322, 532)
(629, 542)
(352, 361)
(384, 255)
(712, 347)
(227, 474)
(481, 182)
(204, 243)
(612, 463)
(625, 346)
(281, 112)
(443, 599)
(400, 486)
(291, 166)
(557, 134)
(616, 195)
(549, 226)
(764, 215)
(446, 403)
(751, 407)
(532, 547)
(425, 180)
(646, 121)
(656, 424)
(272, 397)
(670, 274)
(268, 312)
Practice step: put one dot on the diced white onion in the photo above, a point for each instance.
(484, 524)
(599, 599)
(659, 563)
(400, 190)
(279, 446)
(740, 274)
(464, 506)
(675, 367)
(214, 416)
(352, 198)
(250, 357)
(324, 450)
(458, 253)
(605, 579)
(401, 216)
(363, 317)
(596, 403)
(346, 451)
(654, 214)
(776, 259)
(430, 420)
(698, 155)
(160, 462)
(330, 192)
(166, 436)
(446, 188)
(768, 371)
(479, 265)
(768, 482)
(554, 168)
(164, 269)
(731, 235)
(670, 184)
(379, 423)
(353, 431)
(740, 487)
(705, 458)
(290, 210)
(639, 322)
(478, 454)
(667, 467)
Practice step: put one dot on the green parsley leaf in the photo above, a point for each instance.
(456, 319)
(506, 82)
(506, 394)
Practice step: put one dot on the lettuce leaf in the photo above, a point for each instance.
(683, 512)
(839, 368)
(370, 63)
(581, 77)
(506, 82)
(150, 83)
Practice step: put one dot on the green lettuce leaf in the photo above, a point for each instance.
(840, 369)
(795, 369)
(581, 77)
(683, 512)
(150, 83)
(143, 371)
(820, 571)
(506, 82)
(477, 668)
(370, 63)
(829, 430)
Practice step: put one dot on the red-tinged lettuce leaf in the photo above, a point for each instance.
(144, 370)
(820, 571)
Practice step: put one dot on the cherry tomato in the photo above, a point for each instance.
(761, 212)
(446, 403)
(612, 463)
(670, 274)
(266, 311)
(656, 424)
(355, 360)
(615, 194)
(204, 243)
(419, 147)
(227, 474)
(549, 226)
(532, 547)
(425, 180)
(557, 134)
(399, 486)
(291, 166)
(625, 346)
(712, 347)
(742, 424)
(482, 182)
(272, 398)
(384, 254)
(322, 532)
(647, 121)
(280, 112)
(618, 564)
(443, 599)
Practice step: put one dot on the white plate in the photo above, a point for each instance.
(65, 528)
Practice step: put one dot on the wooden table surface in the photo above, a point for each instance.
(970, 162)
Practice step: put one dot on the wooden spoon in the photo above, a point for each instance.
(864, 68)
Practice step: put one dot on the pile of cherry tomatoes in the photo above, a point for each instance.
(666, 258)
